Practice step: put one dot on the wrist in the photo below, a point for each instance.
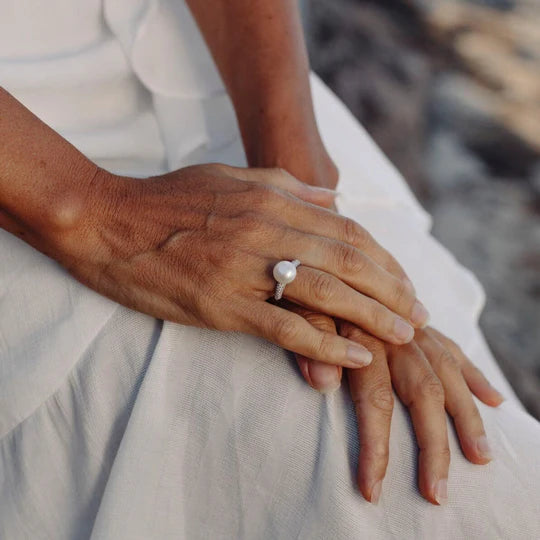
(301, 153)
(284, 134)
(45, 183)
(76, 220)
(63, 221)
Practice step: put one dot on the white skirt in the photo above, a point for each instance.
(115, 425)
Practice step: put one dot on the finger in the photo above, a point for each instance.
(282, 179)
(474, 378)
(325, 222)
(342, 260)
(294, 333)
(325, 293)
(364, 274)
(421, 391)
(318, 196)
(321, 376)
(358, 270)
(371, 392)
(458, 399)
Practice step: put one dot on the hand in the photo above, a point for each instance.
(429, 374)
(196, 246)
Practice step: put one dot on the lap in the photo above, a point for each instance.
(163, 430)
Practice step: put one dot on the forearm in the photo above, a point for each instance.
(259, 49)
(42, 177)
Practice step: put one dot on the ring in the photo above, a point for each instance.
(284, 273)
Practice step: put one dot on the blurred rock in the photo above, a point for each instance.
(503, 5)
(535, 179)
(478, 116)
(450, 165)
(495, 63)
(367, 57)
(518, 28)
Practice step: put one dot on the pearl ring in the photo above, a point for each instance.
(284, 273)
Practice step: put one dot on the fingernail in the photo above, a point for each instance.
(324, 377)
(419, 315)
(327, 385)
(304, 368)
(330, 389)
(483, 447)
(359, 355)
(440, 493)
(403, 331)
(410, 286)
(376, 492)
(499, 395)
(327, 190)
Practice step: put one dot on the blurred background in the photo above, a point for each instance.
(450, 89)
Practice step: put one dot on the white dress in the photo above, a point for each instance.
(115, 425)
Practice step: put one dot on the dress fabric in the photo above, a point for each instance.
(115, 425)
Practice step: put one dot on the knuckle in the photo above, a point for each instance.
(284, 330)
(374, 450)
(252, 224)
(351, 331)
(380, 318)
(444, 453)
(354, 234)
(402, 295)
(430, 388)
(351, 261)
(380, 397)
(447, 360)
(320, 321)
(450, 344)
(467, 412)
(354, 333)
(454, 348)
(222, 258)
(438, 450)
(325, 345)
(323, 287)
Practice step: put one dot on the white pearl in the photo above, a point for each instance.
(284, 272)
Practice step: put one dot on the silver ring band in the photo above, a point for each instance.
(284, 273)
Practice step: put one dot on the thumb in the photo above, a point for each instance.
(282, 179)
(320, 196)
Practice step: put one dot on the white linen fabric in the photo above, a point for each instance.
(115, 425)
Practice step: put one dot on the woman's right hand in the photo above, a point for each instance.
(197, 246)
(429, 374)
